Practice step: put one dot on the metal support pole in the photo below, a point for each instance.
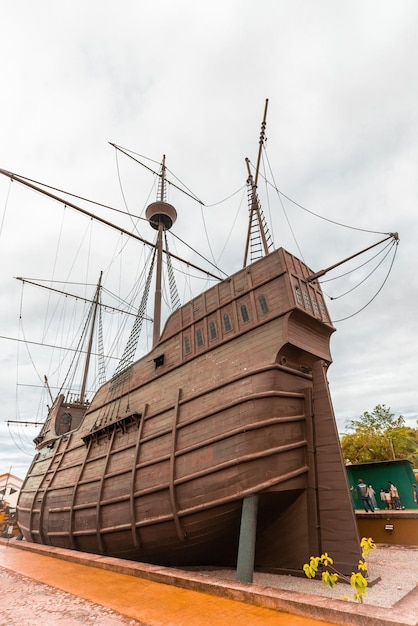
(247, 535)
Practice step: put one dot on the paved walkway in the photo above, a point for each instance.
(53, 586)
(141, 601)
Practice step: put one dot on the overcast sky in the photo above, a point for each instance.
(189, 79)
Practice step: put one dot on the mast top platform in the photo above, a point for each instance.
(161, 212)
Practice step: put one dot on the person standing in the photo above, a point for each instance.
(363, 491)
(385, 498)
(394, 494)
(372, 495)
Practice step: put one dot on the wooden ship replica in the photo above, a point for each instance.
(219, 447)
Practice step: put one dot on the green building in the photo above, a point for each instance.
(378, 474)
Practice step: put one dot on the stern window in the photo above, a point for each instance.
(187, 345)
(65, 422)
(244, 313)
(199, 338)
(227, 323)
(213, 331)
(263, 304)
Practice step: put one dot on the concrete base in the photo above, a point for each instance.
(395, 528)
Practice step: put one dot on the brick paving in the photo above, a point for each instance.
(38, 589)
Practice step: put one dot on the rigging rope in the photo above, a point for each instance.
(326, 219)
(189, 191)
(267, 183)
(6, 203)
(266, 191)
(129, 352)
(328, 280)
(32, 181)
(21, 329)
(233, 223)
(209, 206)
(377, 292)
(77, 353)
(53, 269)
(207, 236)
(102, 369)
(50, 345)
(368, 275)
(128, 212)
(358, 267)
(174, 295)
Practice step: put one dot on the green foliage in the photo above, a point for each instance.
(330, 578)
(380, 436)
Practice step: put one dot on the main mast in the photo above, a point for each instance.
(161, 215)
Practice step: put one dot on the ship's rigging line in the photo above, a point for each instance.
(354, 269)
(393, 236)
(76, 355)
(57, 248)
(82, 298)
(266, 190)
(77, 351)
(135, 227)
(265, 158)
(33, 185)
(190, 193)
(21, 330)
(233, 223)
(3, 217)
(107, 206)
(19, 440)
(105, 307)
(133, 217)
(377, 292)
(50, 345)
(24, 180)
(17, 437)
(389, 245)
(215, 262)
(326, 219)
(129, 154)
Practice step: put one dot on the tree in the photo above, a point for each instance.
(380, 436)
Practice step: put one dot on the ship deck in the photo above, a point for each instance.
(152, 595)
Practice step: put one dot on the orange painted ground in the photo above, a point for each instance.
(150, 603)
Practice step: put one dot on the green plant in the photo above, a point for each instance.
(357, 580)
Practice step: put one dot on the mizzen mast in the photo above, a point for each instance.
(90, 344)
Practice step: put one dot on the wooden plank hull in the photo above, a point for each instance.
(158, 467)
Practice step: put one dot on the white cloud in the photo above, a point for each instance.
(189, 79)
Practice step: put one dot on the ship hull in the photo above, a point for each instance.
(166, 454)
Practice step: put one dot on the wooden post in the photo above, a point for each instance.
(247, 535)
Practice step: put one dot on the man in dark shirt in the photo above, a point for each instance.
(363, 491)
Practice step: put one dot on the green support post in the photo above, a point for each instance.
(247, 536)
